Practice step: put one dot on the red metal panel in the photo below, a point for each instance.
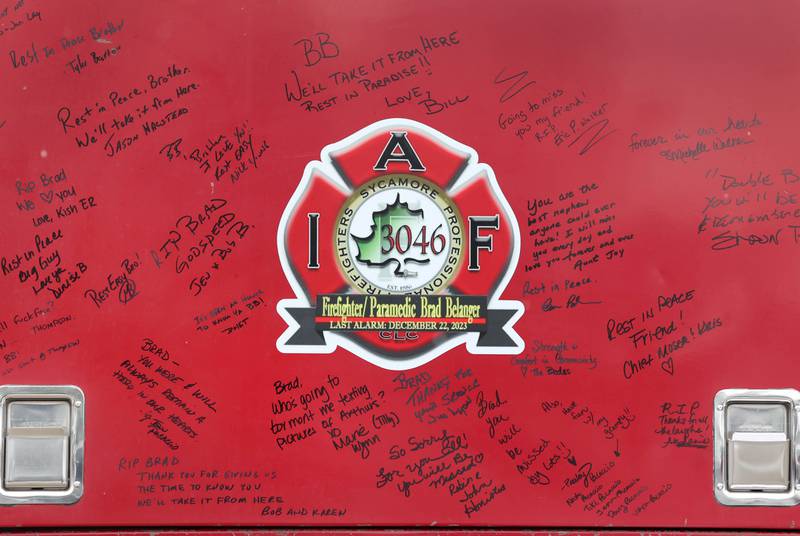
(644, 151)
(367, 532)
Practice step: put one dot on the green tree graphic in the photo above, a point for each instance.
(381, 247)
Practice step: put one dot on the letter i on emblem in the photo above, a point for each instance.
(313, 241)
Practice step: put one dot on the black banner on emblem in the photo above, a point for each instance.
(393, 312)
(495, 335)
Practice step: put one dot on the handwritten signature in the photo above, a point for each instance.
(572, 302)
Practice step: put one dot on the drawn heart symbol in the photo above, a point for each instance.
(668, 366)
(47, 197)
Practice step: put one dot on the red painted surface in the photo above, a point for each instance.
(600, 79)
(367, 532)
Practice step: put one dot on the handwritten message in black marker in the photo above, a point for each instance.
(40, 267)
(753, 210)
(576, 229)
(544, 359)
(352, 416)
(56, 198)
(172, 407)
(200, 243)
(659, 331)
(230, 154)
(687, 144)
(443, 461)
(555, 117)
(438, 398)
(119, 119)
(406, 61)
(230, 317)
(684, 425)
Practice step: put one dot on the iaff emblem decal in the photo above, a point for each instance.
(398, 246)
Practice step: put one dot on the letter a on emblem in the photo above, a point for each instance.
(406, 154)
